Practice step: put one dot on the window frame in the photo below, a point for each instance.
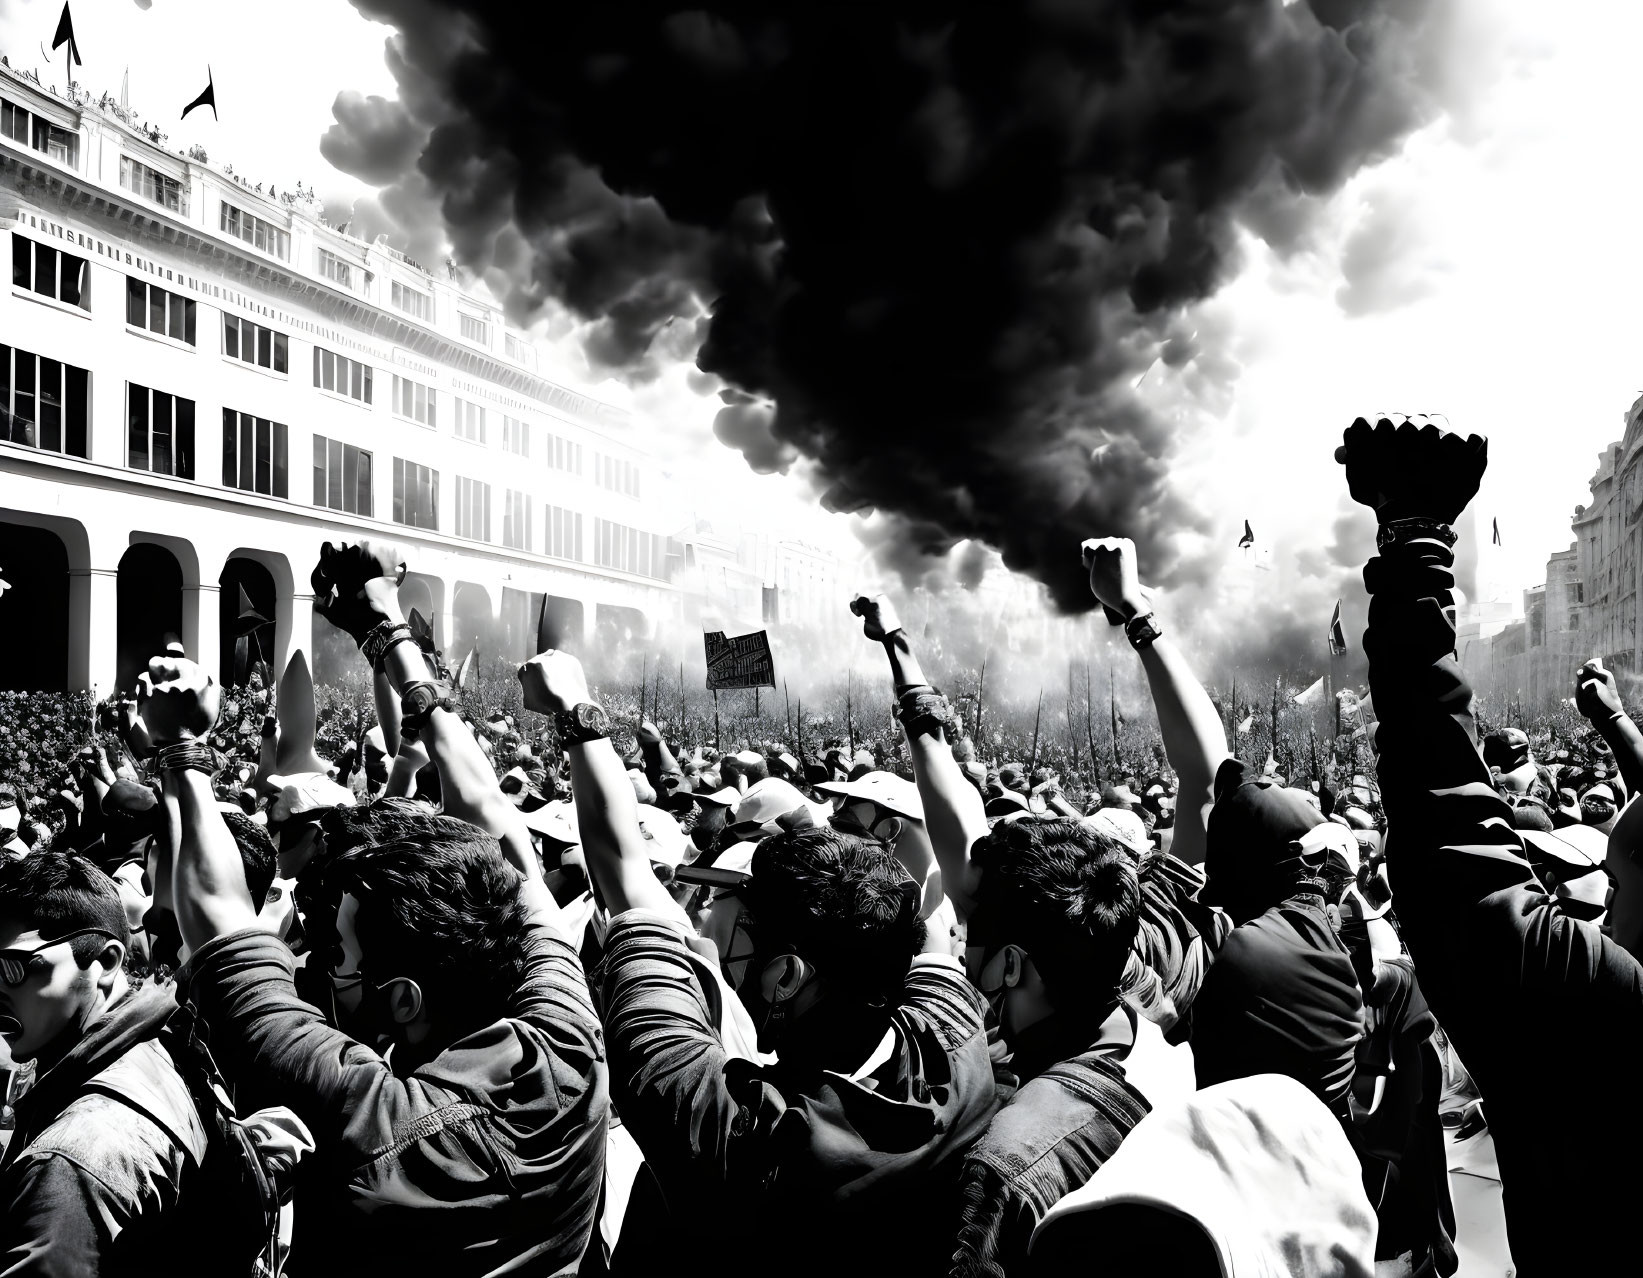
(68, 394)
(364, 484)
(175, 451)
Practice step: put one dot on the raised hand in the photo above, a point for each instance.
(1597, 696)
(553, 682)
(1412, 468)
(878, 617)
(648, 733)
(1113, 577)
(179, 700)
(356, 586)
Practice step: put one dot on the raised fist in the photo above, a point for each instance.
(878, 617)
(553, 682)
(1412, 469)
(1597, 696)
(1113, 580)
(356, 586)
(648, 733)
(179, 700)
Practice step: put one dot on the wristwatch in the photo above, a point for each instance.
(583, 723)
(416, 703)
(1142, 630)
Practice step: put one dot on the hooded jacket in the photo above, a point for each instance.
(486, 1159)
(107, 1143)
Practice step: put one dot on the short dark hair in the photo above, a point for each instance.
(438, 904)
(257, 855)
(1065, 893)
(61, 892)
(845, 904)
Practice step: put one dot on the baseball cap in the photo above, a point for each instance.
(556, 821)
(1255, 825)
(305, 792)
(1124, 826)
(726, 797)
(665, 842)
(771, 798)
(886, 789)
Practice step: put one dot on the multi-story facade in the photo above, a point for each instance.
(200, 383)
(1605, 532)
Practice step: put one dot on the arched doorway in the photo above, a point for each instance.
(150, 606)
(33, 610)
(471, 620)
(248, 601)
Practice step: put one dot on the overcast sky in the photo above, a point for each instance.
(1504, 250)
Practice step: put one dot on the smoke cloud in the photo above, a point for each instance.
(935, 244)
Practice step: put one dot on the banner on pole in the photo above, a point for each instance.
(740, 662)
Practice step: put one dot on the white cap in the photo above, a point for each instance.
(665, 842)
(886, 789)
(771, 798)
(305, 792)
(1124, 826)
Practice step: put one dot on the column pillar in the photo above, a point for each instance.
(93, 621)
(590, 625)
(202, 624)
(444, 619)
(293, 632)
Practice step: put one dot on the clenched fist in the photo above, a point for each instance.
(1597, 696)
(179, 700)
(1412, 469)
(878, 617)
(1113, 577)
(356, 586)
(553, 682)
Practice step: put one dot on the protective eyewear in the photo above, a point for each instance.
(15, 964)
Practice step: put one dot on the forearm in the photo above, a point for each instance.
(209, 892)
(607, 819)
(1195, 741)
(387, 703)
(1626, 741)
(469, 790)
(402, 777)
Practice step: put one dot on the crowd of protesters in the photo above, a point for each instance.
(485, 995)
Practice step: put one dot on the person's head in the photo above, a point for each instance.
(833, 919)
(63, 940)
(1261, 847)
(744, 770)
(1056, 914)
(294, 818)
(420, 927)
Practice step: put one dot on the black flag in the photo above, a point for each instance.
(1248, 539)
(65, 35)
(1497, 532)
(1337, 633)
(208, 97)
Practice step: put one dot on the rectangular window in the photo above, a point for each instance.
(258, 232)
(14, 122)
(474, 329)
(628, 549)
(45, 137)
(255, 344)
(473, 509)
(160, 432)
(153, 185)
(470, 421)
(563, 534)
(153, 308)
(616, 474)
(333, 267)
(50, 272)
(516, 520)
(342, 477)
(414, 400)
(516, 436)
(563, 454)
(519, 350)
(254, 454)
(412, 301)
(44, 403)
(416, 495)
(341, 375)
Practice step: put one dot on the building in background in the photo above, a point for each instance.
(201, 381)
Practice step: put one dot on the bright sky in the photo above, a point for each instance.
(1509, 309)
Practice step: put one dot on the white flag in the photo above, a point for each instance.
(1312, 696)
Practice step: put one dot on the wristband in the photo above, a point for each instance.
(1400, 532)
(908, 689)
(416, 703)
(191, 756)
(924, 713)
(1142, 630)
(380, 638)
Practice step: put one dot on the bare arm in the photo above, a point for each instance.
(1195, 740)
(1598, 698)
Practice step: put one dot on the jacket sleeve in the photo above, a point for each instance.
(988, 1210)
(669, 1080)
(57, 1221)
(1469, 904)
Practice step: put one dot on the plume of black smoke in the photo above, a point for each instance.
(940, 240)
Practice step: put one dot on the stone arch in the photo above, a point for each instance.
(149, 610)
(35, 605)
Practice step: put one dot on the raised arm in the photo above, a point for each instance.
(953, 811)
(179, 704)
(1195, 741)
(1598, 698)
(607, 815)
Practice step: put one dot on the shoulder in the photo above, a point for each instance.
(104, 1142)
(1075, 1101)
(937, 993)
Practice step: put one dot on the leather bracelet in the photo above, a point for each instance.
(1141, 630)
(193, 756)
(924, 713)
(380, 637)
(1400, 532)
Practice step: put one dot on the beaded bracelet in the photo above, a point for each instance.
(193, 756)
